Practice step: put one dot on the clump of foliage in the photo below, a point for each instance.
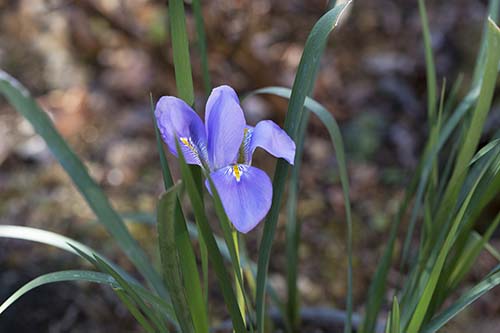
(453, 183)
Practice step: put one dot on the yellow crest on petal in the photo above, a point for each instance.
(236, 173)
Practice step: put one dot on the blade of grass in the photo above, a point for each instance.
(56, 240)
(429, 283)
(302, 87)
(473, 133)
(493, 9)
(453, 97)
(134, 295)
(336, 138)
(484, 93)
(471, 253)
(184, 82)
(170, 261)
(180, 48)
(491, 250)
(62, 276)
(136, 313)
(429, 64)
(72, 246)
(490, 282)
(202, 44)
(20, 99)
(466, 248)
(420, 274)
(431, 111)
(395, 326)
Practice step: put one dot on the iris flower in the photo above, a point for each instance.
(223, 147)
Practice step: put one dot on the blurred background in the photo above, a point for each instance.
(92, 65)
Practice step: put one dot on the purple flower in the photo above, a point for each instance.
(224, 149)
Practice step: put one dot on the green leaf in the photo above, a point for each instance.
(134, 310)
(302, 87)
(336, 138)
(70, 245)
(490, 282)
(394, 317)
(135, 298)
(63, 276)
(202, 44)
(479, 114)
(72, 275)
(482, 94)
(185, 89)
(180, 48)
(170, 260)
(493, 9)
(471, 253)
(429, 64)
(429, 281)
(20, 99)
(56, 240)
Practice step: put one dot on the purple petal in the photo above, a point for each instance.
(246, 193)
(225, 122)
(270, 137)
(177, 119)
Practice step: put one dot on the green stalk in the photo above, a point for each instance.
(184, 82)
(302, 87)
(180, 48)
(240, 297)
(202, 44)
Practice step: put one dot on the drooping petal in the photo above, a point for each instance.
(225, 122)
(270, 137)
(246, 193)
(176, 119)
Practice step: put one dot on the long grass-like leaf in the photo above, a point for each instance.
(429, 64)
(435, 266)
(72, 246)
(133, 296)
(171, 267)
(71, 275)
(490, 282)
(180, 48)
(336, 138)
(482, 94)
(493, 11)
(20, 99)
(302, 87)
(184, 81)
(202, 44)
(134, 310)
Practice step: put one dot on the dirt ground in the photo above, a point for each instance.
(92, 64)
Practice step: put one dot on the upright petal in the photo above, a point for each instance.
(176, 119)
(271, 138)
(225, 123)
(246, 194)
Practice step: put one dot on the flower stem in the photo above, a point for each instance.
(240, 298)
